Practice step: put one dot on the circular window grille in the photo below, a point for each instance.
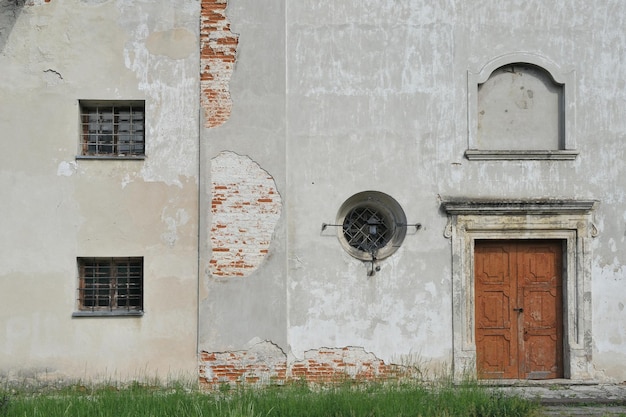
(373, 225)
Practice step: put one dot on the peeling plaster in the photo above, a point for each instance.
(35, 2)
(246, 207)
(148, 52)
(341, 307)
(260, 363)
(67, 169)
(181, 218)
(218, 49)
(176, 43)
(608, 281)
(266, 362)
(127, 180)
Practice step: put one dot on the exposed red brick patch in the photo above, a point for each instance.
(218, 50)
(265, 363)
(243, 215)
(336, 364)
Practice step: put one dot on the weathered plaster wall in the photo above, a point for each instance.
(588, 42)
(366, 84)
(375, 97)
(245, 207)
(243, 248)
(56, 207)
(266, 363)
(305, 104)
(218, 51)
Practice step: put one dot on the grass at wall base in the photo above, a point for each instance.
(347, 399)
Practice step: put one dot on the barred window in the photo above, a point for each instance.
(368, 228)
(110, 284)
(373, 225)
(112, 129)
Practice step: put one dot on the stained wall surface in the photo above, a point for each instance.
(334, 98)
(56, 207)
(262, 119)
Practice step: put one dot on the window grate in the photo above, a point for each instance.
(370, 226)
(108, 284)
(109, 130)
(367, 229)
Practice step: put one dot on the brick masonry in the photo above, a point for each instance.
(218, 50)
(336, 364)
(266, 363)
(245, 208)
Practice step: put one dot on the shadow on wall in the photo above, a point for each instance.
(9, 12)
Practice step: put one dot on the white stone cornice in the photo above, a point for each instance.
(512, 207)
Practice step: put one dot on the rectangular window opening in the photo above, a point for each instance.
(112, 129)
(110, 285)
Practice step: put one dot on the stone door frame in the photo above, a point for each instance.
(567, 220)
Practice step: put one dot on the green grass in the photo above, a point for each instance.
(292, 400)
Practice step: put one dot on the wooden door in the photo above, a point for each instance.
(518, 309)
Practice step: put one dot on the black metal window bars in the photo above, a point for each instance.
(109, 284)
(113, 131)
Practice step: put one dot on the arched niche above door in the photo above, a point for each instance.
(521, 106)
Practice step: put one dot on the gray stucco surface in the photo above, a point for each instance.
(329, 99)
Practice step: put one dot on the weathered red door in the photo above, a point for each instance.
(518, 309)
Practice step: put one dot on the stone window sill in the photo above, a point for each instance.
(537, 155)
(112, 157)
(123, 313)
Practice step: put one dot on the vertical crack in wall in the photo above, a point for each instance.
(218, 48)
(246, 207)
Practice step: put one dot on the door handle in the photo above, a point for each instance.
(519, 310)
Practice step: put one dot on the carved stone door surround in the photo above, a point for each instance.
(566, 220)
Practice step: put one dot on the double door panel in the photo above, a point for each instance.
(518, 309)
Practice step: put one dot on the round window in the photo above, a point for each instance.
(373, 225)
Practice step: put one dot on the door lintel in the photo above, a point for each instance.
(520, 207)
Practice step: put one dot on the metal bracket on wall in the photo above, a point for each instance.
(417, 226)
(373, 249)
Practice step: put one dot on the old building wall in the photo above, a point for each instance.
(375, 96)
(242, 212)
(598, 134)
(370, 93)
(57, 207)
(262, 119)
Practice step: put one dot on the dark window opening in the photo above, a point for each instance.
(110, 284)
(372, 225)
(112, 130)
(367, 229)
